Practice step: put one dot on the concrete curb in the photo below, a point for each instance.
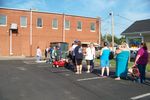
(16, 58)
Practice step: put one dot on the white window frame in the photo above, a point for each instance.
(37, 23)
(90, 27)
(53, 22)
(20, 21)
(77, 26)
(6, 20)
(69, 25)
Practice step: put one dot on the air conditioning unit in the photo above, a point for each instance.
(13, 26)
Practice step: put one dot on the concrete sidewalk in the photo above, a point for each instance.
(16, 58)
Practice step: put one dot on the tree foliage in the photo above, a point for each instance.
(108, 38)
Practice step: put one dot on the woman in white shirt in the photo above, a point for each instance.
(38, 53)
(89, 56)
(93, 53)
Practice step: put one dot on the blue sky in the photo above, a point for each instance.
(125, 11)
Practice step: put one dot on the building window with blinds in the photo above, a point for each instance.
(55, 24)
(23, 21)
(67, 25)
(3, 20)
(39, 23)
(79, 26)
(92, 27)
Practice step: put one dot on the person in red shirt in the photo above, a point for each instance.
(141, 61)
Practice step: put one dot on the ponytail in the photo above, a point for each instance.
(144, 45)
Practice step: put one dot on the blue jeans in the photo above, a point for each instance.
(142, 68)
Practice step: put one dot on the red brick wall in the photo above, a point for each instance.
(42, 36)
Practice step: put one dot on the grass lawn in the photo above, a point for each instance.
(130, 64)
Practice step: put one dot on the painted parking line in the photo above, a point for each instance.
(59, 71)
(86, 79)
(29, 62)
(140, 96)
(21, 68)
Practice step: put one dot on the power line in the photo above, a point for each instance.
(124, 18)
(105, 18)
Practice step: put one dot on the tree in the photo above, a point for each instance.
(108, 38)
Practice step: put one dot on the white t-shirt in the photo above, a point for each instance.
(89, 53)
(38, 52)
(73, 47)
(93, 51)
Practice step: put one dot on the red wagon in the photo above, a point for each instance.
(60, 63)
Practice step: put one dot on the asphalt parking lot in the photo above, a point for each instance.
(28, 80)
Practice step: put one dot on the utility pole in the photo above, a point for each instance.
(99, 32)
(106, 37)
(99, 29)
(112, 29)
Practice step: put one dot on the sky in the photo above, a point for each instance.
(126, 12)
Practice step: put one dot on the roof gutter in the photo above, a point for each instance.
(132, 33)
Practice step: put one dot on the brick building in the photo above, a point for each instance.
(21, 31)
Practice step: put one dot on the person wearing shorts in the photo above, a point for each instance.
(88, 57)
(78, 57)
(104, 59)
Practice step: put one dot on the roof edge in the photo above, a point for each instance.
(135, 32)
(28, 10)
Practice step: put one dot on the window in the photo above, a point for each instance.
(23, 21)
(79, 26)
(2, 20)
(39, 22)
(92, 27)
(55, 24)
(67, 24)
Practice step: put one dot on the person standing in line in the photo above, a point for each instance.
(46, 53)
(122, 61)
(73, 53)
(59, 51)
(70, 52)
(141, 61)
(93, 56)
(78, 57)
(104, 59)
(38, 54)
(54, 54)
(88, 57)
(50, 54)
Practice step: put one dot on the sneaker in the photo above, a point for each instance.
(77, 73)
(87, 71)
(103, 76)
(117, 79)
